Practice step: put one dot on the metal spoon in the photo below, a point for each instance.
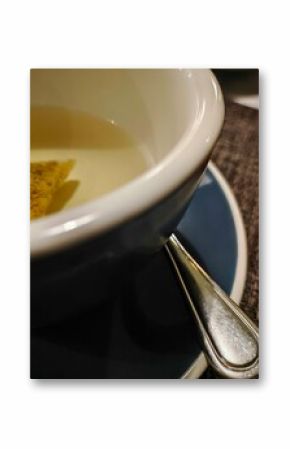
(230, 340)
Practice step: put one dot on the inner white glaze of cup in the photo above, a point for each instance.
(176, 114)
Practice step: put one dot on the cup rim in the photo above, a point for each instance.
(71, 226)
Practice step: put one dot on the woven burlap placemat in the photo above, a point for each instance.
(237, 156)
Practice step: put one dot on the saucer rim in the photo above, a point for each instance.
(200, 363)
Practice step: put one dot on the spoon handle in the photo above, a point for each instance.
(229, 338)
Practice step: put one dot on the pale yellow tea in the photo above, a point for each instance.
(104, 155)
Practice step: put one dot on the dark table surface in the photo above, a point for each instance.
(237, 156)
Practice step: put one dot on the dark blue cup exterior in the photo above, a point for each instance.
(103, 263)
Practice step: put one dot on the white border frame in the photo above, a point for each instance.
(200, 364)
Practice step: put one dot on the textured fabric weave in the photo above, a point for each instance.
(237, 156)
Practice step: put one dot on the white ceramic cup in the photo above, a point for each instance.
(177, 114)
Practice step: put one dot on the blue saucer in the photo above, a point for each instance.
(147, 331)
